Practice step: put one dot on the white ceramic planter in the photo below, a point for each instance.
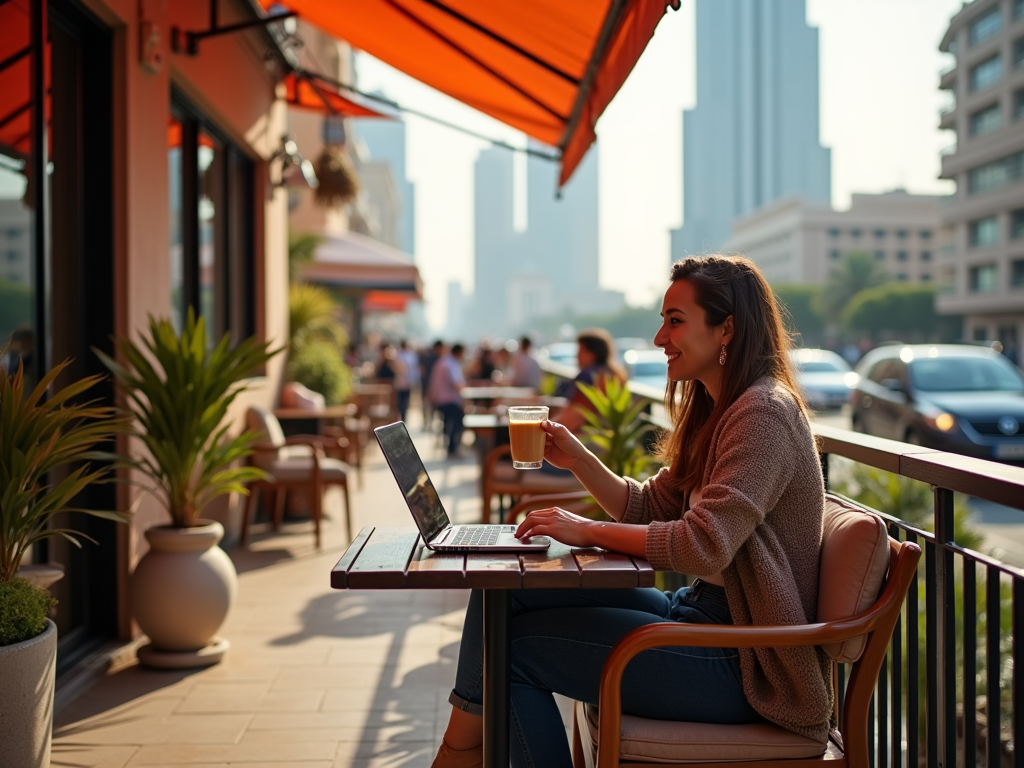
(180, 594)
(27, 672)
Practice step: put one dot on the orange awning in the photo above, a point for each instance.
(15, 78)
(360, 264)
(307, 91)
(546, 67)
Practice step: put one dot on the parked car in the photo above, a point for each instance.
(647, 366)
(826, 379)
(563, 352)
(951, 397)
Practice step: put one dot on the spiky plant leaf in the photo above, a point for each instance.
(179, 391)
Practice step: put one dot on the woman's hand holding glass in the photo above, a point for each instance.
(562, 449)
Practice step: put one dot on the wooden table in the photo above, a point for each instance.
(308, 421)
(395, 558)
(486, 396)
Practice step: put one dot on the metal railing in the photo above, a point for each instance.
(967, 708)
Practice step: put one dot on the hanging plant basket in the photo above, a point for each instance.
(338, 181)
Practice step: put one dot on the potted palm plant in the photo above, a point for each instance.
(45, 446)
(178, 392)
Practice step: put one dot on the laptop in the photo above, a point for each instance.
(425, 505)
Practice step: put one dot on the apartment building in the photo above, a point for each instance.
(983, 269)
(796, 240)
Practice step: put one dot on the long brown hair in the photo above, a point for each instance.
(724, 286)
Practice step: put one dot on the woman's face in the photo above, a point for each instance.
(584, 357)
(692, 347)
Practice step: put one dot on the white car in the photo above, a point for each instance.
(826, 379)
(647, 366)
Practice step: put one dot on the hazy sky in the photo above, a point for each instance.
(879, 114)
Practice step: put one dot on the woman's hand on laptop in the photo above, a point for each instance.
(562, 449)
(560, 525)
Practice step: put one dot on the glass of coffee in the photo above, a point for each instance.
(526, 436)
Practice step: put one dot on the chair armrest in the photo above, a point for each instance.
(881, 615)
(492, 457)
(573, 501)
(265, 446)
(322, 441)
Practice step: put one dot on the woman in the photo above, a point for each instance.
(739, 506)
(597, 364)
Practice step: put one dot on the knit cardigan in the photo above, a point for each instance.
(759, 524)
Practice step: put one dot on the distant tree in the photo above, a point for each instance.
(896, 310)
(856, 272)
(801, 315)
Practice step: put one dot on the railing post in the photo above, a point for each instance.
(823, 458)
(945, 678)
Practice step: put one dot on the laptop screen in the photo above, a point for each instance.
(408, 469)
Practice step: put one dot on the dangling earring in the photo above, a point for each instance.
(721, 356)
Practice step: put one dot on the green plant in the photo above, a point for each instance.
(615, 428)
(311, 317)
(301, 251)
(41, 435)
(318, 365)
(179, 405)
(23, 610)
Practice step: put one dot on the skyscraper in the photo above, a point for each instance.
(493, 236)
(385, 140)
(753, 136)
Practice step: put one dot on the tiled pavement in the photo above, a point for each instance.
(315, 678)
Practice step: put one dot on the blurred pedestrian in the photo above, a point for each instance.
(446, 383)
(524, 370)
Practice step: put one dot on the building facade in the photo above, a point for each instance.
(146, 189)
(795, 240)
(983, 269)
(752, 138)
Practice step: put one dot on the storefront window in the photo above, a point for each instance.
(211, 201)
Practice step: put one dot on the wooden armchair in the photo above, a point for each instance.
(500, 478)
(297, 462)
(855, 623)
(580, 502)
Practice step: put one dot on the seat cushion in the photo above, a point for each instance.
(665, 741)
(854, 561)
(300, 469)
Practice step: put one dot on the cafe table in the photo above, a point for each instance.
(395, 558)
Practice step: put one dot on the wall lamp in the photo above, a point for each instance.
(288, 154)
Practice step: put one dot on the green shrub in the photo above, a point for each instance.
(23, 611)
(319, 366)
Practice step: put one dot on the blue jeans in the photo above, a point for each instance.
(559, 642)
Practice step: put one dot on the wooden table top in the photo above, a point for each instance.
(330, 412)
(395, 558)
(478, 421)
(496, 393)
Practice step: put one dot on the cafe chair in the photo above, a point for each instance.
(862, 581)
(298, 462)
(578, 502)
(499, 478)
(376, 402)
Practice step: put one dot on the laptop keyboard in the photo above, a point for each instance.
(477, 535)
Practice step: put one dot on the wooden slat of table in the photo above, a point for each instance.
(339, 574)
(599, 569)
(644, 571)
(494, 571)
(436, 570)
(383, 561)
(552, 569)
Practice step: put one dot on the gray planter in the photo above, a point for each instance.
(27, 670)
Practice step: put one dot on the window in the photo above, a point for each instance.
(926, 234)
(879, 233)
(901, 234)
(854, 233)
(983, 232)
(1018, 9)
(1017, 224)
(925, 277)
(984, 279)
(13, 234)
(1017, 273)
(211, 212)
(987, 74)
(902, 277)
(926, 255)
(12, 256)
(833, 232)
(985, 26)
(996, 174)
(986, 120)
(1018, 104)
(1018, 53)
(833, 254)
(879, 255)
(901, 256)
